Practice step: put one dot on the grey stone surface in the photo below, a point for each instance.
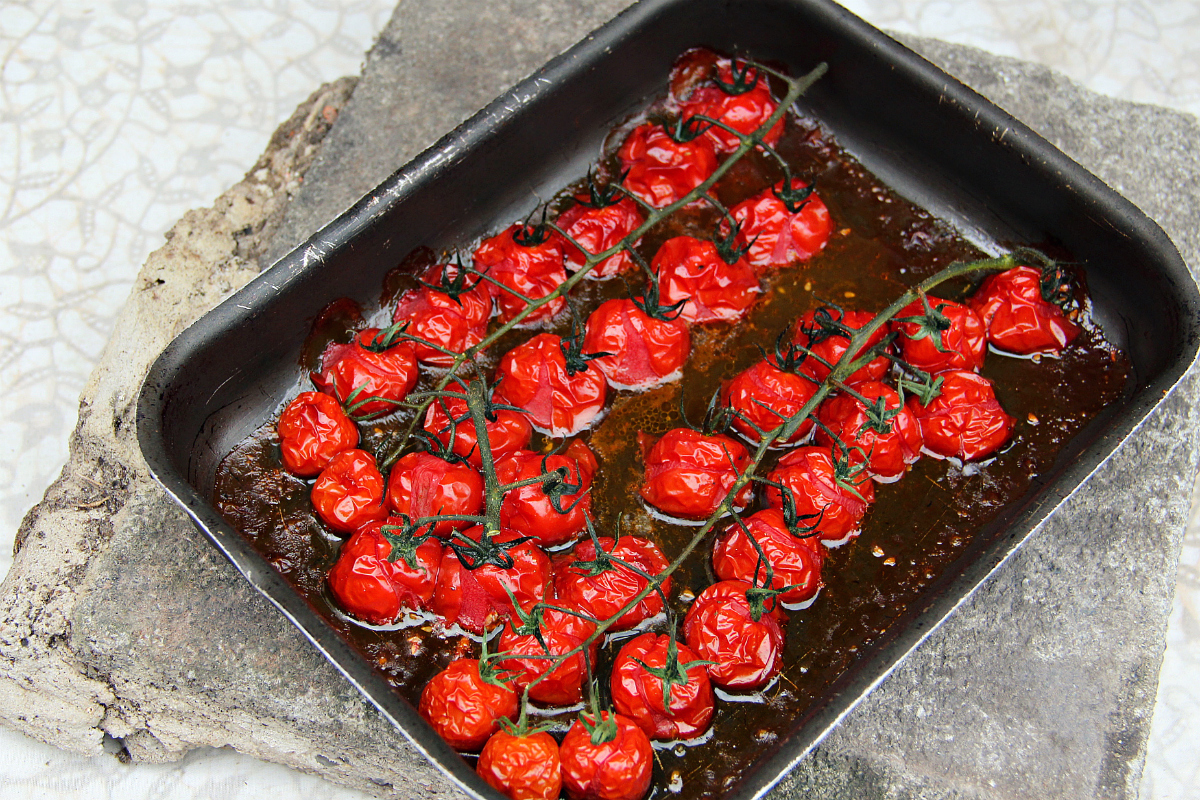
(117, 618)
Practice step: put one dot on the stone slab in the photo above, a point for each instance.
(118, 621)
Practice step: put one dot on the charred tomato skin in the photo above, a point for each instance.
(765, 397)
(616, 770)
(602, 595)
(965, 420)
(522, 767)
(598, 229)
(690, 270)
(369, 587)
(463, 708)
(534, 376)
(449, 420)
(312, 430)
(349, 492)
(831, 347)
(1018, 319)
(795, 562)
(423, 485)
(887, 455)
(533, 270)
(562, 632)
(529, 511)
(638, 694)
(778, 237)
(809, 473)
(719, 627)
(689, 473)
(389, 375)
(644, 351)
(454, 323)
(964, 343)
(475, 598)
(660, 170)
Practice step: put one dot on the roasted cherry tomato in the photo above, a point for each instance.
(465, 705)
(423, 485)
(523, 767)
(689, 473)
(720, 627)
(478, 572)
(691, 271)
(833, 496)
(349, 492)
(560, 632)
(369, 367)
(450, 421)
(553, 512)
(448, 310)
(661, 170)
(765, 396)
(374, 579)
(1018, 318)
(823, 332)
(312, 430)
(598, 228)
(527, 259)
(955, 327)
(965, 420)
(643, 350)
(638, 688)
(617, 767)
(782, 228)
(885, 435)
(740, 98)
(556, 386)
(795, 560)
(596, 585)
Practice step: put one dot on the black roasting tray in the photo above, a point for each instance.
(930, 138)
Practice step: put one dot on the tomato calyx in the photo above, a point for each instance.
(794, 199)
(603, 196)
(794, 521)
(602, 731)
(473, 555)
(673, 672)
(453, 286)
(727, 243)
(436, 447)
(718, 417)
(528, 234)
(405, 540)
(689, 129)
(489, 668)
(572, 349)
(879, 416)
(788, 356)
(846, 474)
(744, 78)
(387, 338)
(649, 303)
(557, 485)
(926, 388)
(932, 324)
(762, 599)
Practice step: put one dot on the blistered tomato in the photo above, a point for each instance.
(689, 473)
(529, 261)
(720, 627)
(423, 485)
(616, 768)
(478, 573)
(560, 632)
(641, 670)
(795, 560)
(369, 376)
(780, 229)
(965, 420)
(375, 579)
(825, 333)
(661, 170)
(522, 767)
(764, 397)
(740, 98)
(464, 705)
(555, 511)
(884, 435)
(597, 228)
(833, 497)
(595, 584)
(349, 492)
(1018, 318)
(947, 336)
(691, 271)
(449, 419)
(643, 350)
(450, 310)
(312, 430)
(560, 392)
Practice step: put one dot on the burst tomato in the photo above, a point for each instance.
(522, 767)
(741, 99)
(465, 705)
(638, 688)
(450, 421)
(690, 270)
(1018, 318)
(349, 492)
(478, 572)
(594, 584)
(776, 235)
(369, 367)
(764, 397)
(555, 386)
(956, 327)
(720, 627)
(643, 350)
(831, 495)
(618, 768)
(965, 420)
(886, 436)
(660, 170)
(374, 579)
(823, 332)
(795, 561)
(529, 261)
(312, 430)
(423, 485)
(555, 511)
(560, 632)
(689, 473)
(449, 311)
(597, 229)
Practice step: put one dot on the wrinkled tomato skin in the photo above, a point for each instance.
(965, 421)
(474, 599)
(522, 767)
(533, 376)
(562, 633)
(530, 512)
(639, 695)
(644, 351)
(349, 492)
(764, 397)
(602, 596)
(745, 112)
(1018, 319)
(965, 342)
(777, 237)
(795, 562)
(615, 770)
(533, 271)
(690, 270)
(720, 628)
(809, 473)
(389, 375)
(312, 430)
(423, 485)
(830, 349)
(887, 454)
(598, 229)
(454, 323)
(661, 170)
(463, 708)
(369, 587)
(450, 421)
(688, 473)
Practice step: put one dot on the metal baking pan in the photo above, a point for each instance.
(930, 138)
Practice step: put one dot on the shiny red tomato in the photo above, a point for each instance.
(660, 170)
(638, 688)
(886, 435)
(522, 767)
(465, 705)
(597, 229)
(1018, 318)
(720, 627)
(965, 420)
(691, 271)
(375, 579)
(556, 387)
(833, 497)
(423, 485)
(689, 473)
(741, 99)
(369, 367)
(476, 598)
(795, 561)
(618, 767)
(312, 430)
(823, 332)
(553, 512)
(529, 261)
(349, 492)
(591, 582)
(956, 327)
(448, 310)
(450, 421)
(561, 632)
(776, 235)
(644, 350)
(765, 396)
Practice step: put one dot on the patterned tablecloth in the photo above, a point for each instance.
(117, 116)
